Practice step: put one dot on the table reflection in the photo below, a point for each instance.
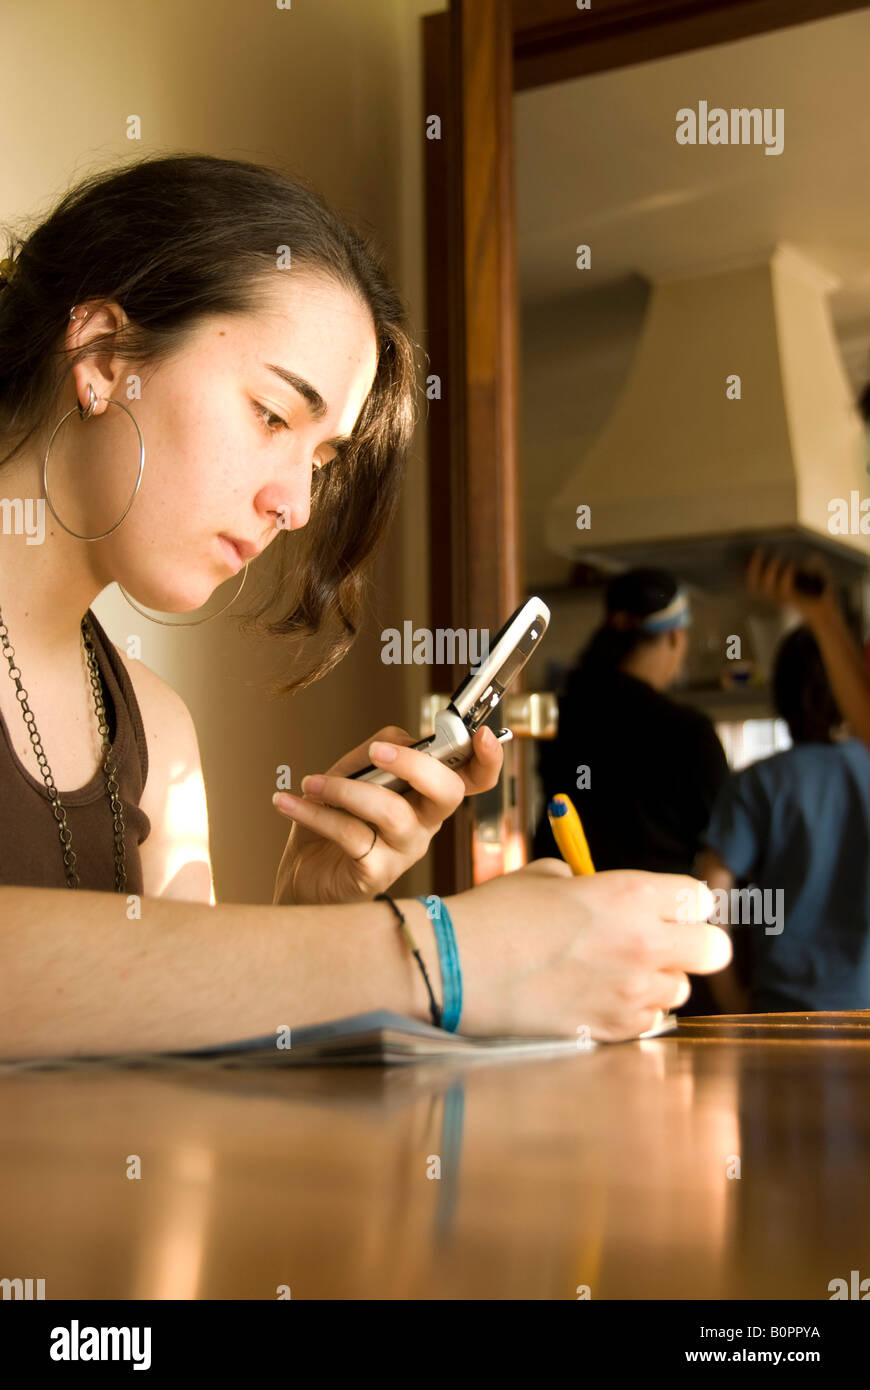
(669, 1168)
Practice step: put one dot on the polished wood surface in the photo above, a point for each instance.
(475, 521)
(679, 1167)
(555, 42)
(451, 849)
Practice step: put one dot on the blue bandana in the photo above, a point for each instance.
(675, 614)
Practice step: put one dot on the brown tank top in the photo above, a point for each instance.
(30, 848)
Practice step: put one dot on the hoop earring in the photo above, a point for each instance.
(85, 413)
(194, 622)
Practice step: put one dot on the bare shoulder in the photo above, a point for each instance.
(164, 713)
(173, 747)
(175, 856)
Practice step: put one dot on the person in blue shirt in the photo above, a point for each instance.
(796, 828)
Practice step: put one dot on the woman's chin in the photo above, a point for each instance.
(164, 601)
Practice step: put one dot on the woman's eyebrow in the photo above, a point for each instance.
(317, 406)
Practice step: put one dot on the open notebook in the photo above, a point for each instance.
(384, 1037)
(381, 1038)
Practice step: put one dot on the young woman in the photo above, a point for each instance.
(262, 367)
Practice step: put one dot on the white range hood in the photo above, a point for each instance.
(684, 476)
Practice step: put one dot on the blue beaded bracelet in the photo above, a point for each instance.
(451, 975)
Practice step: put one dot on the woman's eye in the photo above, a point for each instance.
(273, 423)
(265, 416)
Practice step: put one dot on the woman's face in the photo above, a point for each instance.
(230, 445)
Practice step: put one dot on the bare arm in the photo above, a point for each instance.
(541, 951)
(726, 987)
(844, 665)
(175, 855)
(773, 578)
(78, 977)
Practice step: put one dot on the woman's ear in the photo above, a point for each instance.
(102, 370)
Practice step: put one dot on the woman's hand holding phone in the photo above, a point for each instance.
(337, 816)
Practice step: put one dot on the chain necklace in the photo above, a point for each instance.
(64, 833)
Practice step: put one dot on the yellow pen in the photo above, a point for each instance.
(568, 834)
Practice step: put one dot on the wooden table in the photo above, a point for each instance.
(710, 1164)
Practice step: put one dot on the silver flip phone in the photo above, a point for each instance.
(477, 696)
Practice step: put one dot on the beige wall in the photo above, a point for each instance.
(329, 90)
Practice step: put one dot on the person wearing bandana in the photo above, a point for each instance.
(642, 769)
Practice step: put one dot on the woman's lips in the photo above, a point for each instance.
(233, 557)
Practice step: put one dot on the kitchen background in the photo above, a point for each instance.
(705, 261)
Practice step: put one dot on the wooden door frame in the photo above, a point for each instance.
(476, 55)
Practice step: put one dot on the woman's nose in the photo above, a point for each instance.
(292, 516)
(291, 500)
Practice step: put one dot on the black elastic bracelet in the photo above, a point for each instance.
(434, 1008)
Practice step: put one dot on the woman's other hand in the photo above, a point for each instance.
(599, 956)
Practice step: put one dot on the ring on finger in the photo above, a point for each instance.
(374, 831)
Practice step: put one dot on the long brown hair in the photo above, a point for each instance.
(172, 239)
